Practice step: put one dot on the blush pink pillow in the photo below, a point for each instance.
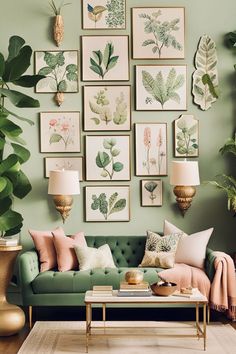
(64, 245)
(43, 241)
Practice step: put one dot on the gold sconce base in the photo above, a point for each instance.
(63, 205)
(184, 197)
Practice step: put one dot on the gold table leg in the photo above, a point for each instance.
(88, 324)
(30, 316)
(208, 314)
(104, 314)
(197, 319)
(204, 325)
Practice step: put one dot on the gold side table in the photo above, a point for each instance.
(12, 317)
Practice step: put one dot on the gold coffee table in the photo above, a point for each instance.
(198, 300)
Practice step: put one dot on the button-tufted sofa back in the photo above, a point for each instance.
(127, 251)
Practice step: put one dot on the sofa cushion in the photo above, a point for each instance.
(80, 281)
(91, 258)
(158, 259)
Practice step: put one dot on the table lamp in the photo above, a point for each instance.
(62, 185)
(184, 176)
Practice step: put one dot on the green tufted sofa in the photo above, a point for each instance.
(53, 288)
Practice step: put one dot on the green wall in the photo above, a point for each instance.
(32, 20)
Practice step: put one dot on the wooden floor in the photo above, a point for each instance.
(11, 345)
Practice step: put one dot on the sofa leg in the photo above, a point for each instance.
(208, 314)
(30, 316)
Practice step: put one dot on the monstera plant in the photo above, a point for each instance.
(13, 181)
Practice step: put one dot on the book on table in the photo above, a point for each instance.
(102, 290)
(141, 286)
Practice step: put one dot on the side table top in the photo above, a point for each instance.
(90, 298)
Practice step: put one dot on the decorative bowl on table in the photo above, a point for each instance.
(134, 276)
(163, 288)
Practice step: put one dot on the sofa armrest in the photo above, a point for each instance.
(28, 270)
(209, 264)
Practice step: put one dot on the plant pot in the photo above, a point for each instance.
(58, 30)
(12, 317)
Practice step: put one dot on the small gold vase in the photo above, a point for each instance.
(12, 317)
(134, 276)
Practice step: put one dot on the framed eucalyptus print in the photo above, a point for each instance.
(107, 157)
(108, 203)
(158, 32)
(186, 136)
(105, 58)
(104, 14)
(161, 88)
(60, 68)
(67, 163)
(151, 149)
(60, 131)
(151, 192)
(107, 108)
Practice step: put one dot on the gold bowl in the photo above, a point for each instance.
(134, 276)
(163, 289)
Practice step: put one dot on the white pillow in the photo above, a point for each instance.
(90, 258)
(191, 249)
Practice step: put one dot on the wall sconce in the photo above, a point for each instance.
(184, 176)
(62, 185)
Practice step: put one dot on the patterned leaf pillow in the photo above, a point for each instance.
(157, 243)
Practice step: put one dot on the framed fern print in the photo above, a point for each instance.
(107, 203)
(151, 149)
(161, 88)
(186, 136)
(105, 58)
(107, 108)
(158, 32)
(104, 14)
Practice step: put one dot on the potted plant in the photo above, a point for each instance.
(58, 28)
(13, 181)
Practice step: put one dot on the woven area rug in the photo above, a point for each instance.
(69, 337)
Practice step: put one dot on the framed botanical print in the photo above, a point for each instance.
(151, 192)
(104, 14)
(158, 32)
(60, 132)
(107, 108)
(73, 163)
(161, 87)
(186, 136)
(108, 203)
(107, 157)
(105, 58)
(60, 68)
(151, 149)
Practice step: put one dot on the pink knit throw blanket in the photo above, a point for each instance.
(184, 275)
(223, 288)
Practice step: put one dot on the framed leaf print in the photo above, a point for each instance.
(105, 58)
(109, 203)
(161, 88)
(107, 108)
(158, 32)
(107, 157)
(151, 192)
(60, 68)
(104, 14)
(151, 149)
(186, 136)
(60, 132)
(67, 163)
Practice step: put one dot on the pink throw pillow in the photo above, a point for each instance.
(43, 241)
(64, 245)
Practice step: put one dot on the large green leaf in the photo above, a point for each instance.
(3, 183)
(8, 163)
(23, 186)
(2, 65)
(5, 205)
(18, 65)
(18, 99)
(18, 117)
(9, 128)
(10, 220)
(15, 44)
(119, 205)
(8, 189)
(14, 231)
(28, 80)
(22, 153)
(102, 159)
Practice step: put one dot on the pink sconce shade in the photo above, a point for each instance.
(63, 182)
(184, 173)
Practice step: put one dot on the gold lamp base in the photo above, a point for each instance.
(184, 197)
(12, 317)
(63, 205)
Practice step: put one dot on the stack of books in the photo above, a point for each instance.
(102, 290)
(141, 289)
(9, 241)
